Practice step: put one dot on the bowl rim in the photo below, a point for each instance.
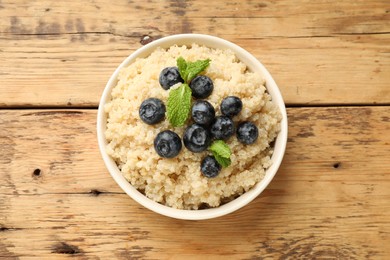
(280, 143)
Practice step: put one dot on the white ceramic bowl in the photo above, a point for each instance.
(254, 65)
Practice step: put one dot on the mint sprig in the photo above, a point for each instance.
(179, 100)
(221, 152)
(189, 70)
(178, 105)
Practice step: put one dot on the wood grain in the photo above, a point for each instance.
(330, 198)
(62, 53)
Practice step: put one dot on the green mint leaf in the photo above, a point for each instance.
(179, 105)
(182, 66)
(189, 70)
(221, 148)
(224, 162)
(221, 152)
(194, 68)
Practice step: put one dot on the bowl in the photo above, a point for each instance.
(255, 66)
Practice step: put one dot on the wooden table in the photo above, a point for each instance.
(329, 200)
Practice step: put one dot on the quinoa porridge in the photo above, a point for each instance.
(177, 182)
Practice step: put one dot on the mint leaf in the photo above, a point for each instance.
(194, 68)
(182, 66)
(221, 148)
(221, 152)
(179, 105)
(224, 162)
(189, 70)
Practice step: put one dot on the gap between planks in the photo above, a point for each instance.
(244, 38)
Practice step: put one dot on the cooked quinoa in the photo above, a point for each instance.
(178, 182)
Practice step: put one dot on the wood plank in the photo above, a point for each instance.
(61, 54)
(329, 200)
(59, 76)
(62, 145)
(272, 18)
(273, 226)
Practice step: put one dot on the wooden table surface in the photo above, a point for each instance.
(330, 198)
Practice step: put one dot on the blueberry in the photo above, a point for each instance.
(210, 167)
(152, 111)
(231, 106)
(167, 144)
(196, 138)
(247, 132)
(222, 128)
(201, 86)
(169, 77)
(203, 112)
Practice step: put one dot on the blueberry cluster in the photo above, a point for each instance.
(206, 127)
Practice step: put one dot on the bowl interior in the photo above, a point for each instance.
(255, 66)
